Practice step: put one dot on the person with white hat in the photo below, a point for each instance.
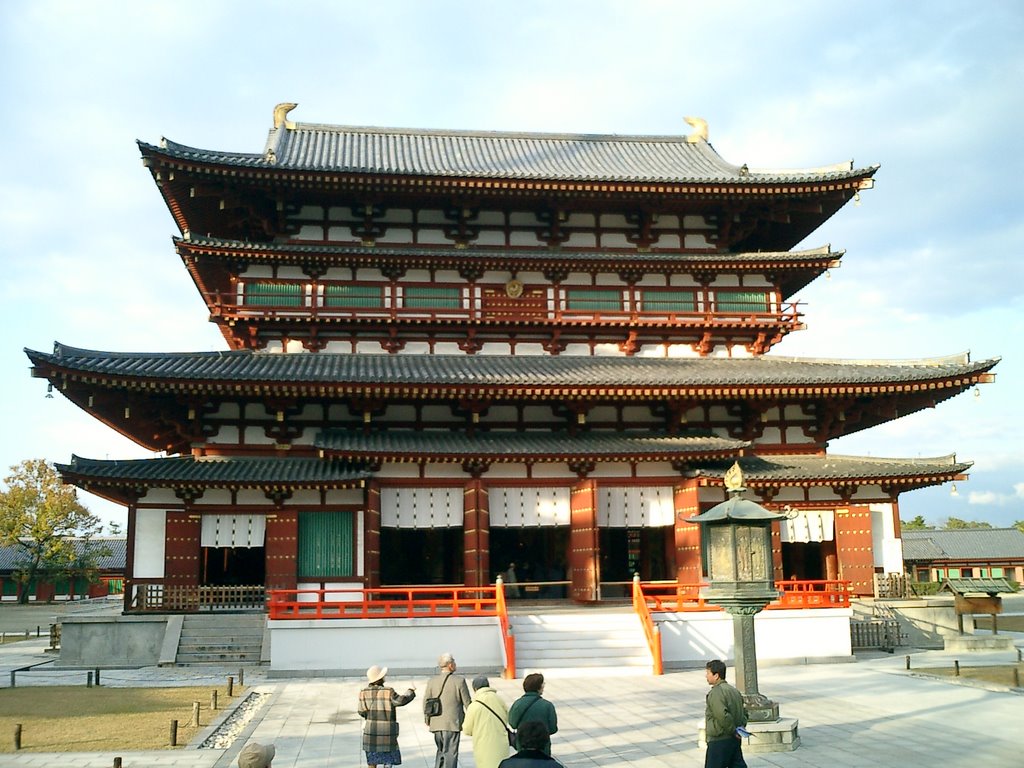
(377, 704)
(255, 755)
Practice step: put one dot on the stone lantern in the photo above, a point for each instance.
(736, 554)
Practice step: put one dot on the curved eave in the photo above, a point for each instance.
(794, 269)
(505, 448)
(896, 475)
(125, 481)
(259, 374)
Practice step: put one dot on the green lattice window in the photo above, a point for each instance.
(741, 301)
(273, 294)
(432, 297)
(668, 301)
(593, 299)
(326, 544)
(369, 296)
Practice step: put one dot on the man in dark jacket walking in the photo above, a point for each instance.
(446, 726)
(533, 738)
(723, 714)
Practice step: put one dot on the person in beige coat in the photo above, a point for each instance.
(453, 692)
(487, 723)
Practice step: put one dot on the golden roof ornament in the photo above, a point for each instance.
(700, 129)
(734, 478)
(281, 113)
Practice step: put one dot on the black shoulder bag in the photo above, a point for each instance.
(432, 705)
(508, 731)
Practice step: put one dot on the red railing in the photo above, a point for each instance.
(650, 627)
(812, 593)
(672, 597)
(381, 603)
(507, 640)
(396, 603)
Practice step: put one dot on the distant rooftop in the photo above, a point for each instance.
(964, 544)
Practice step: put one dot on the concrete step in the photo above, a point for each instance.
(584, 639)
(221, 638)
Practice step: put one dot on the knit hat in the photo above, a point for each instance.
(480, 682)
(375, 673)
(255, 755)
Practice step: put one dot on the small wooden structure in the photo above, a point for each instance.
(977, 596)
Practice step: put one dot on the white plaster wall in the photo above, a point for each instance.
(150, 527)
(692, 638)
(335, 646)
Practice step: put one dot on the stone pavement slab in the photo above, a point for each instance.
(869, 713)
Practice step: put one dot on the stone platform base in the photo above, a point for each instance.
(979, 643)
(782, 735)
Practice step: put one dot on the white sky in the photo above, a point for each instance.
(931, 90)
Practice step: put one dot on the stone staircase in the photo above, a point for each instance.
(593, 637)
(221, 638)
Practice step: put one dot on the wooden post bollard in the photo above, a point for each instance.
(117, 762)
(174, 733)
(213, 700)
(17, 736)
(1016, 677)
(956, 668)
(88, 679)
(97, 675)
(241, 677)
(195, 713)
(231, 686)
(908, 662)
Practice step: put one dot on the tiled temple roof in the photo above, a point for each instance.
(497, 155)
(518, 446)
(216, 471)
(964, 544)
(797, 469)
(263, 368)
(12, 556)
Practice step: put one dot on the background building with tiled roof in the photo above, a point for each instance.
(108, 556)
(965, 553)
(450, 351)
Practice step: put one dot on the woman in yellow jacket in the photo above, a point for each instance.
(487, 723)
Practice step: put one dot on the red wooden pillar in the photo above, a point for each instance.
(371, 535)
(777, 573)
(855, 548)
(181, 552)
(687, 535)
(281, 550)
(476, 531)
(583, 542)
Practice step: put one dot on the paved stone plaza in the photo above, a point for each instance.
(869, 713)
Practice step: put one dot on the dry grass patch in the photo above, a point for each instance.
(998, 674)
(82, 719)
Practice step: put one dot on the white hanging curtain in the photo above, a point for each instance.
(807, 526)
(421, 507)
(523, 507)
(635, 507)
(233, 531)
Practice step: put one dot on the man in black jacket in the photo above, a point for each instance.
(533, 738)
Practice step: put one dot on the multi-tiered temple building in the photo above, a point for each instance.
(451, 351)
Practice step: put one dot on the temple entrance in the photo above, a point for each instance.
(540, 554)
(813, 560)
(411, 556)
(233, 566)
(627, 551)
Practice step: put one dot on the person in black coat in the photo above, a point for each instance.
(533, 737)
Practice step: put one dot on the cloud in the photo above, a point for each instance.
(994, 498)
